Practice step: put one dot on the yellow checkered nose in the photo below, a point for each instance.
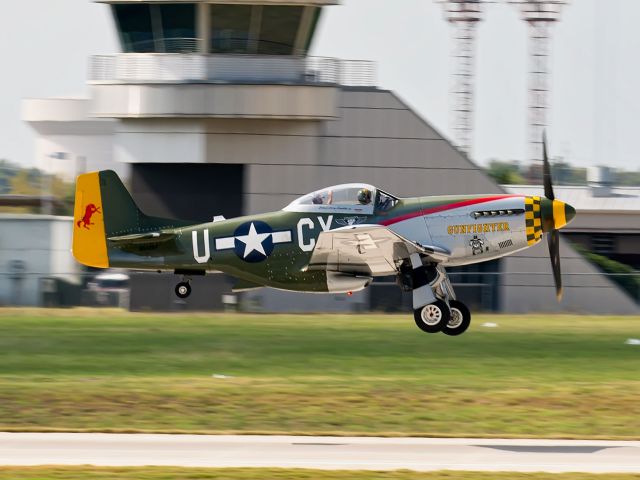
(533, 219)
(555, 214)
(544, 215)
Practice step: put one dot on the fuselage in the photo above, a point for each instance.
(273, 249)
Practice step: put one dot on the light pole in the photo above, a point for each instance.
(48, 193)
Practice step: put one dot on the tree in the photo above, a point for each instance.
(505, 173)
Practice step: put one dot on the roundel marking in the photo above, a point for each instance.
(253, 241)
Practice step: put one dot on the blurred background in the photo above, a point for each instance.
(231, 108)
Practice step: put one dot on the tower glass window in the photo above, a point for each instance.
(230, 28)
(156, 28)
(178, 27)
(257, 29)
(134, 27)
(279, 29)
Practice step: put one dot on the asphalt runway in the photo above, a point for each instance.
(344, 453)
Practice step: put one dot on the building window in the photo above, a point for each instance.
(603, 244)
(254, 29)
(134, 27)
(178, 28)
(230, 28)
(156, 28)
(278, 30)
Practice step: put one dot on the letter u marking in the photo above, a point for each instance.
(196, 251)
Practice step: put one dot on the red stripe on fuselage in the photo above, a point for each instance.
(442, 208)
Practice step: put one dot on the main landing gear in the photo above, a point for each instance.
(452, 319)
(435, 308)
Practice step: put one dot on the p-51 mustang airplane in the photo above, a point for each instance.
(333, 240)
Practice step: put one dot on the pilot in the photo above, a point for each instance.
(318, 200)
(364, 196)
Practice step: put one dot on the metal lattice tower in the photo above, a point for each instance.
(540, 15)
(464, 17)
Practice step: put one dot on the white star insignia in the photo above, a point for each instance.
(253, 241)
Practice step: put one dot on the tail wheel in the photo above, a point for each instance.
(433, 317)
(183, 289)
(459, 321)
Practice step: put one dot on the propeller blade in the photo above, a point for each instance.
(553, 240)
(546, 170)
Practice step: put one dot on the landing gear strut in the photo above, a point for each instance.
(435, 308)
(183, 289)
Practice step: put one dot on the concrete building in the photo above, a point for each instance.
(607, 223)
(69, 140)
(217, 109)
(35, 261)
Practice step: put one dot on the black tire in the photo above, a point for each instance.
(459, 321)
(183, 289)
(433, 317)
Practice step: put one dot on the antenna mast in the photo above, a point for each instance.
(464, 17)
(540, 15)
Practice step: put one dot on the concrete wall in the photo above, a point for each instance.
(213, 100)
(84, 153)
(42, 245)
(377, 139)
(527, 285)
(64, 125)
(605, 222)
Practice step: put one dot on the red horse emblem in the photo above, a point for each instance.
(85, 221)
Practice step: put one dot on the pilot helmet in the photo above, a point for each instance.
(364, 196)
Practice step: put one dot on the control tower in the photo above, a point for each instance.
(209, 93)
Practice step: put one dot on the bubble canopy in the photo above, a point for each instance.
(346, 198)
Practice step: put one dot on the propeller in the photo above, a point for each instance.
(553, 237)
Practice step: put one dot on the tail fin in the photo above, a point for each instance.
(104, 208)
(89, 238)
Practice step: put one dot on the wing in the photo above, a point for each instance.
(371, 250)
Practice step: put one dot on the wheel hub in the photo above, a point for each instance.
(431, 315)
(182, 289)
(456, 318)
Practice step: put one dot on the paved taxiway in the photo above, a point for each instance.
(361, 453)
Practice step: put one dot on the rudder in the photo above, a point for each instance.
(89, 238)
(103, 208)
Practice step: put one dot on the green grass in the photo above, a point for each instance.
(168, 473)
(536, 376)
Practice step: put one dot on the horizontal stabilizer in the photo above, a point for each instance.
(142, 238)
